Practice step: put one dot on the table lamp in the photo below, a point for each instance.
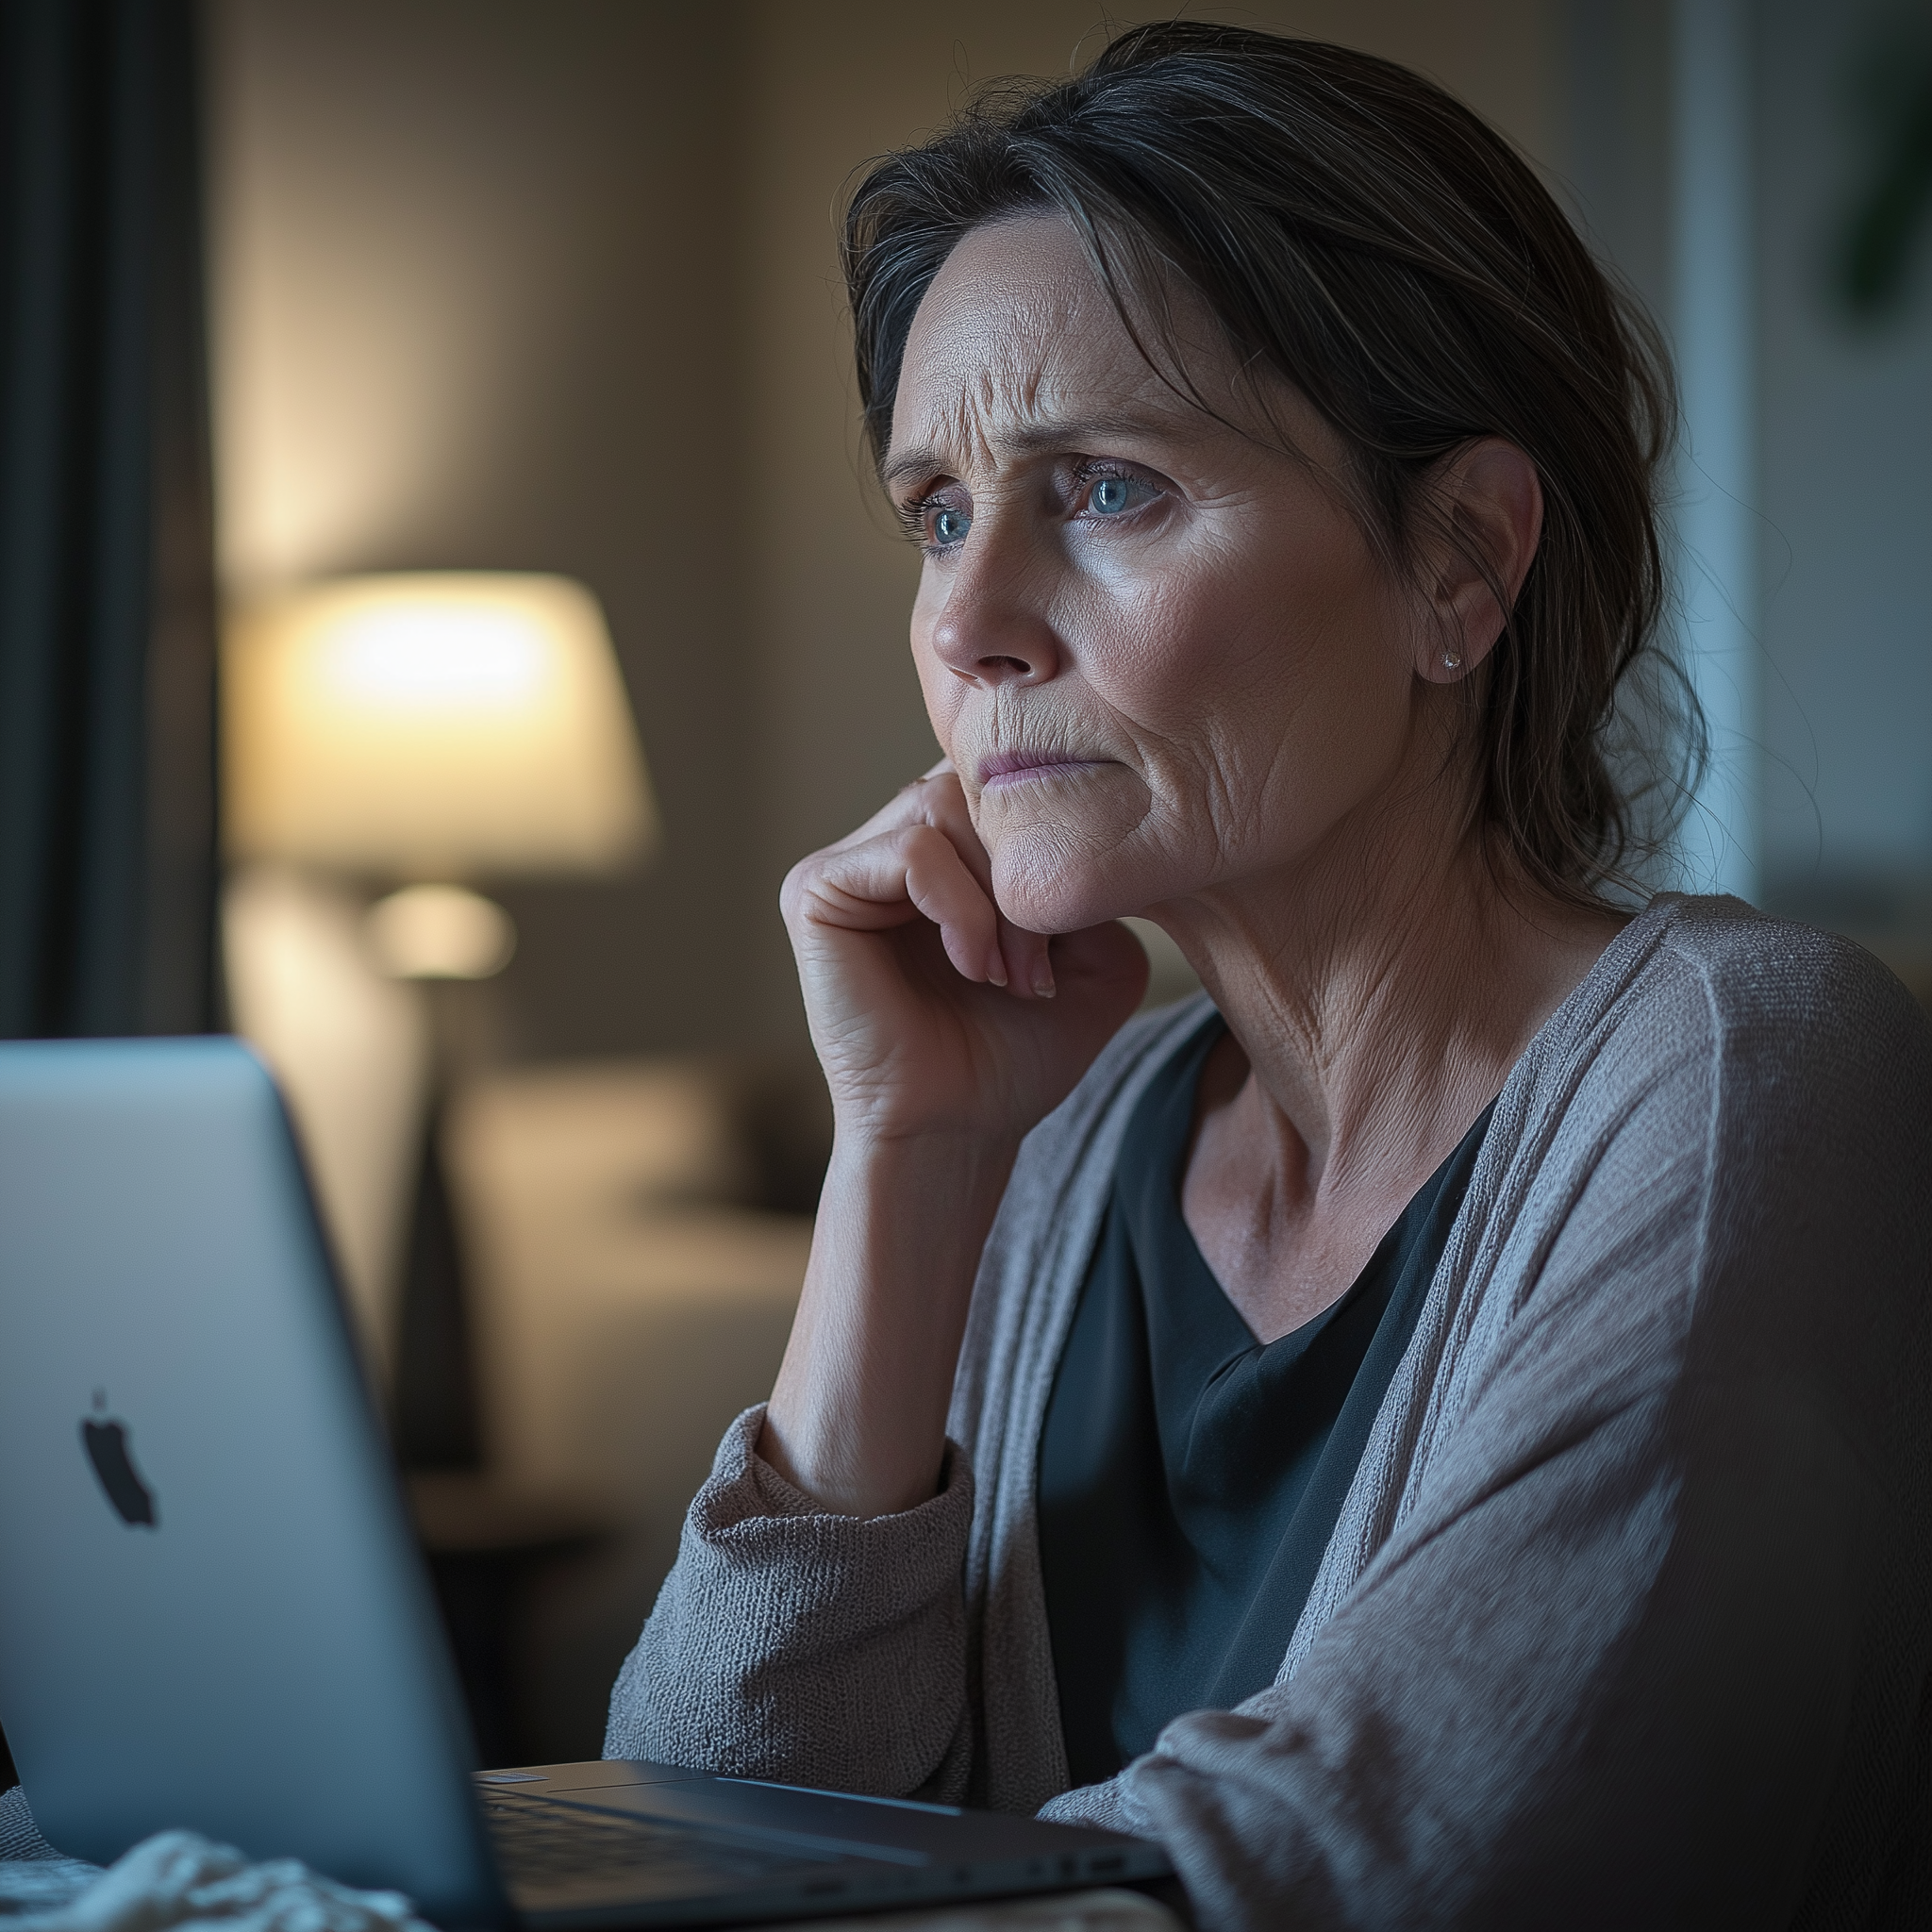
(429, 730)
(416, 732)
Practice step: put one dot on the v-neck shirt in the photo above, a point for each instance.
(1191, 1477)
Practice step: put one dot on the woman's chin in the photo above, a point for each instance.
(1040, 886)
(1064, 850)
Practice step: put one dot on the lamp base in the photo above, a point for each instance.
(439, 932)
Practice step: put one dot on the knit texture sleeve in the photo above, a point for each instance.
(795, 1644)
(20, 1837)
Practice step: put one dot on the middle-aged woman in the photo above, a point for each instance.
(1434, 1430)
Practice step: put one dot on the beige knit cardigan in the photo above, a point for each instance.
(1627, 1617)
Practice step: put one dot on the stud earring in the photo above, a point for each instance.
(1452, 660)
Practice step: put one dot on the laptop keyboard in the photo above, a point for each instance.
(549, 1844)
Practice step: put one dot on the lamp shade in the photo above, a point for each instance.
(431, 726)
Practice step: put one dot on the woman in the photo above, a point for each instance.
(1434, 1430)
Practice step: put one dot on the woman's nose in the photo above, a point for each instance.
(993, 628)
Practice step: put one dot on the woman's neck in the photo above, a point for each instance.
(1376, 998)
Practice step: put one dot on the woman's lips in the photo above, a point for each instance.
(1007, 769)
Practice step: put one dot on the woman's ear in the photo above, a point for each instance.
(1490, 505)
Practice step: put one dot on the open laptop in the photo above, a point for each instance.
(212, 1609)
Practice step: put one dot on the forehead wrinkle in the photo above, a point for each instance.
(1002, 386)
(1002, 417)
(1015, 306)
(1002, 363)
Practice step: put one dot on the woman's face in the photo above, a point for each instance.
(1161, 656)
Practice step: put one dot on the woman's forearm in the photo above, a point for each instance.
(858, 1417)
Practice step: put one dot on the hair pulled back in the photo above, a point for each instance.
(1360, 232)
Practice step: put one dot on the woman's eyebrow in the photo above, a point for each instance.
(1060, 433)
(911, 462)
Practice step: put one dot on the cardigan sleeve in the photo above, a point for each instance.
(20, 1837)
(795, 1644)
(1651, 1642)
(838, 1651)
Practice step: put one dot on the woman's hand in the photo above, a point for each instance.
(945, 1033)
(930, 1011)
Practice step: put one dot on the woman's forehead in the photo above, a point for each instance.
(1016, 334)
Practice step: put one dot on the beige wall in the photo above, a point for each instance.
(475, 308)
(552, 284)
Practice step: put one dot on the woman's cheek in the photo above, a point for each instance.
(943, 696)
(1154, 639)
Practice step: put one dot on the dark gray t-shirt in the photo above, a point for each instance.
(1190, 1475)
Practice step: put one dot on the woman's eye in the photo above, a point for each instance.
(950, 526)
(1109, 496)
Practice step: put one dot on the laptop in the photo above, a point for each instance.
(212, 1613)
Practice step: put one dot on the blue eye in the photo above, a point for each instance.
(1110, 495)
(950, 526)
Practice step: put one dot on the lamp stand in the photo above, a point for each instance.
(437, 1413)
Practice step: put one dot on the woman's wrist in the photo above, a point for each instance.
(858, 1418)
(866, 1148)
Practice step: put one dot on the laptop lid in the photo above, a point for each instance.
(212, 1609)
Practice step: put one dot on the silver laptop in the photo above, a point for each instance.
(212, 1609)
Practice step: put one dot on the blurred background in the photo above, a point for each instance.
(488, 512)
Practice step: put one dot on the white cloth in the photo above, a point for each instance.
(180, 1879)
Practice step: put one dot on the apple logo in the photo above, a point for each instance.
(106, 1448)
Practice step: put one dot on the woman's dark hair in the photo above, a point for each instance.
(1360, 232)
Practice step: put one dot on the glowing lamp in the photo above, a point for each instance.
(432, 728)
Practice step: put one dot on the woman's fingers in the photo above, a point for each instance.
(1027, 960)
(904, 872)
(944, 889)
(940, 800)
(899, 870)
